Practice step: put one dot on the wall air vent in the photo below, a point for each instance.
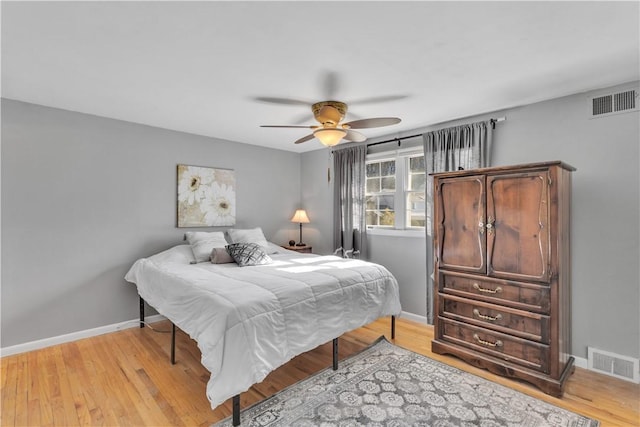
(612, 364)
(614, 103)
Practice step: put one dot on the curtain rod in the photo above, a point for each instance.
(492, 121)
(394, 139)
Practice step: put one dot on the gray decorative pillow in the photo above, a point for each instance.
(246, 254)
(220, 256)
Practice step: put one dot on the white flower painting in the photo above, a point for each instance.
(206, 196)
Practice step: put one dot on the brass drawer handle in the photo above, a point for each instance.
(487, 291)
(487, 343)
(477, 313)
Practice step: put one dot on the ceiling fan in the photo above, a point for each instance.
(331, 131)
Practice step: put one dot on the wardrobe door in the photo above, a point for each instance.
(518, 232)
(459, 219)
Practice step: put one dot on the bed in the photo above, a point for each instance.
(248, 321)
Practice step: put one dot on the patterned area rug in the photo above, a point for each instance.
(385, 385)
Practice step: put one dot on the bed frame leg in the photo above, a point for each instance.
(393, 327)
(236, 410)
(141, 313)
(335, 354)
(173, 344)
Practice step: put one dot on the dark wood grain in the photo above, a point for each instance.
(527, 296)
(503, 299)
(460, 245)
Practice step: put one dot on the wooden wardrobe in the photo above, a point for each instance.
(501, 240)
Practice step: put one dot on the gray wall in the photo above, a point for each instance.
(605, 211)
(605, 203)
(408, 266)
(84, 196)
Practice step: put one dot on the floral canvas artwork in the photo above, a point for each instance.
(206, 196)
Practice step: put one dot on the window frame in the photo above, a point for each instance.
(400, 228)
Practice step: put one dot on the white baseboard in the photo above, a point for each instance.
(74, 336)
(581, 362)
(413, 317)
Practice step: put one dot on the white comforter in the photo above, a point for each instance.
(248, 321)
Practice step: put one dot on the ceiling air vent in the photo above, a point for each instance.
(614, 103)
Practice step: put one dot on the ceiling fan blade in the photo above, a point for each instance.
(376, 99)
(354, 136)
(288, 126)
(305, 139)
(373, 123)
(284, 101)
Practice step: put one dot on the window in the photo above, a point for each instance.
(395, 197)
(380, 193)
(415, 192)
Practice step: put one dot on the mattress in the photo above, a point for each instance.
(248, 321)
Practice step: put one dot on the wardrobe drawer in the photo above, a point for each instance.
(502, 346)
(525, 296)
(531, 326)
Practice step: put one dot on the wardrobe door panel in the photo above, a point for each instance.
(459, 219)
(518, 226)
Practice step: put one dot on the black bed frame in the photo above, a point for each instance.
(236, 398)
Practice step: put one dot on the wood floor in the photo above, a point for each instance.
(126, 379)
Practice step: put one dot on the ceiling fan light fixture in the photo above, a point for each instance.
(331, 130)
(329, 137)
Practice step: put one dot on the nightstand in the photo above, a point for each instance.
(301, 249)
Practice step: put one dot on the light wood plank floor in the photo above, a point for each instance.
(126, 379)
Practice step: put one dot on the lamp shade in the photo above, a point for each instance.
(300, 216)
(329, 137)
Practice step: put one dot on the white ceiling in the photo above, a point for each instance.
(200, 67)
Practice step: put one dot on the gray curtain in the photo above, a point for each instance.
(466, 146)
(349, 228)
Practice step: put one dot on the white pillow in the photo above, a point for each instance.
(250, 235)
(202, 243)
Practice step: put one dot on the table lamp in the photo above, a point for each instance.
(300, 217)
